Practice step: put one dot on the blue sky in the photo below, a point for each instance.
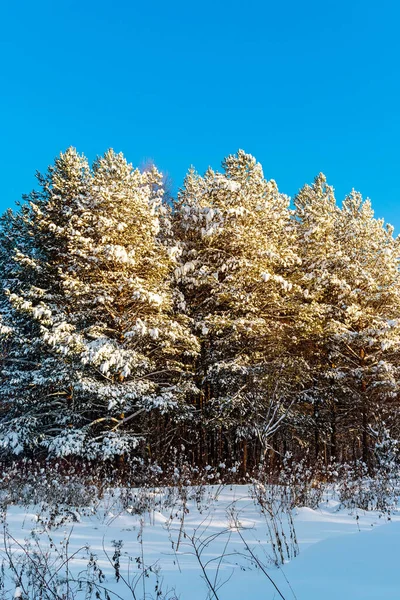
(304, 86)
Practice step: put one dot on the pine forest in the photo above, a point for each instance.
(229, 326)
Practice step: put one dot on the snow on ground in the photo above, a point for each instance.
(363, 566)
(343, 554)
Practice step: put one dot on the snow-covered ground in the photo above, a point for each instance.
(343, 554)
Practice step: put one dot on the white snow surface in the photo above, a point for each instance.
(344, 554)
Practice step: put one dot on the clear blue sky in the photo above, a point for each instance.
(304, 86)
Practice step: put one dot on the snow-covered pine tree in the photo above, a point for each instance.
(91, 344)
(237, 248)
(365, 334)
(315, 221)
(348, 323)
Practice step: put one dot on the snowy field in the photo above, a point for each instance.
(343, 554)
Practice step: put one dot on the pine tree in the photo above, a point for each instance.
(315, 221)
(366, 332)
(235, 240)
(347, 325)
(92, 344)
